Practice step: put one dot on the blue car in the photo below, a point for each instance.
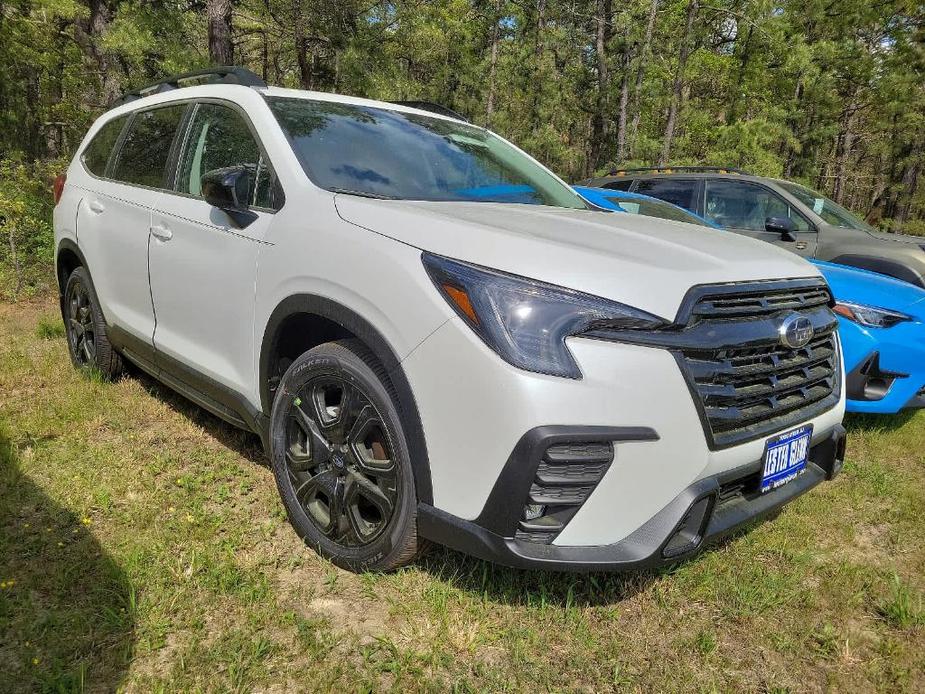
(881, 319)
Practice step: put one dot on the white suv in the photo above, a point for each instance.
(435, 337)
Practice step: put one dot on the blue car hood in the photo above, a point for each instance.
(871, 289)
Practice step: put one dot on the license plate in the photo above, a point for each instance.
(785, 457)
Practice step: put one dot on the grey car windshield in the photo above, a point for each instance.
(830, 211)
(381, 153)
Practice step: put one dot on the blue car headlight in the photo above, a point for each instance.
(870, 316)
(527, 322)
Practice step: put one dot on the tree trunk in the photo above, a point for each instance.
(843, 147)
(678, 85)
(537, 59)
(795, 128)
(600, 124)
(32, 123)
(737, 86)
(621, 118)
(493, 63)
(88, 34)
(301, 46)
(909, 183)
(221, 50)
(640, 72)
(14, 257)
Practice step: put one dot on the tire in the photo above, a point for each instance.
(340, 459)
(87, 341)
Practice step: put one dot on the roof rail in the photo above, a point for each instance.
(433, 108)
(686, 169)
(226, 74)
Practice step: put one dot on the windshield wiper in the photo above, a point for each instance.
(363, 194)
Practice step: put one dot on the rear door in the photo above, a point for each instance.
(682, 192)
(745, 207)
(203, 266)
(114, 217)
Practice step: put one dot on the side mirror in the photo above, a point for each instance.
(228, 189)
(781, 225)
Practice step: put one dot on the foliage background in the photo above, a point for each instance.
(828, 92)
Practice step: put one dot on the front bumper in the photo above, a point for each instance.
(475, 409)
(885, 367)
(705, 512)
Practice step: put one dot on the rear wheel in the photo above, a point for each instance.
(87, 341)
(341, 461)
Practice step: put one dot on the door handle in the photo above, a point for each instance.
(97, 207)
(161, 232)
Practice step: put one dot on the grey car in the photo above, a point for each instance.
(781, 212)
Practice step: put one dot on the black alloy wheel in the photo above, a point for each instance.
(87, 339)
(81, 332)
(340, 461)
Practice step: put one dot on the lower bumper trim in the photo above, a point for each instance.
(917, 403)
(645, 547)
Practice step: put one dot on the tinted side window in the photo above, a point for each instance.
(144, 153)
(218, 138)
(678, 192)
(624, 184)
(96, 155)
(741, 205)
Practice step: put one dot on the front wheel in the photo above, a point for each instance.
(341, 460)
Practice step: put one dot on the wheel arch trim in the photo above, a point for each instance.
(68, 244)
(350, 320)
(892, 267)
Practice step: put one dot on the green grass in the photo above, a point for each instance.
(142, 547)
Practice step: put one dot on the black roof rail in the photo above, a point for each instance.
(226, 74)
(685, 169)
(433, 108)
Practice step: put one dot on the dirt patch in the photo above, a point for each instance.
(872, 544)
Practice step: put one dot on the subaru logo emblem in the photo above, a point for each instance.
(795, 331)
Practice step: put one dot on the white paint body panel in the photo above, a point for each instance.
(113, 222)
(202, 284)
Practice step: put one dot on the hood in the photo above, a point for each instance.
(871, 289)
(644, 262)
(899, 238)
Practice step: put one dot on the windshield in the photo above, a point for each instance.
(830, 211)
(655, 208)
(382, 153)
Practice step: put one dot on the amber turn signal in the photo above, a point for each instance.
(461, 299)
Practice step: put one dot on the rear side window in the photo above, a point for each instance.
(677, 191)
(96, 155)
(146, 148)
(219, 138)
(624, 184)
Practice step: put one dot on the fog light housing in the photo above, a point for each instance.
(689, 533)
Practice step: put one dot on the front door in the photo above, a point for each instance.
(203, 267)
(745, 208)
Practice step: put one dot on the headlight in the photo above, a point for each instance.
(526, 322)
(869, 316)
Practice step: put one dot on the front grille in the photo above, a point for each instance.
(748, 384)
(564, 480)
(749, 304)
